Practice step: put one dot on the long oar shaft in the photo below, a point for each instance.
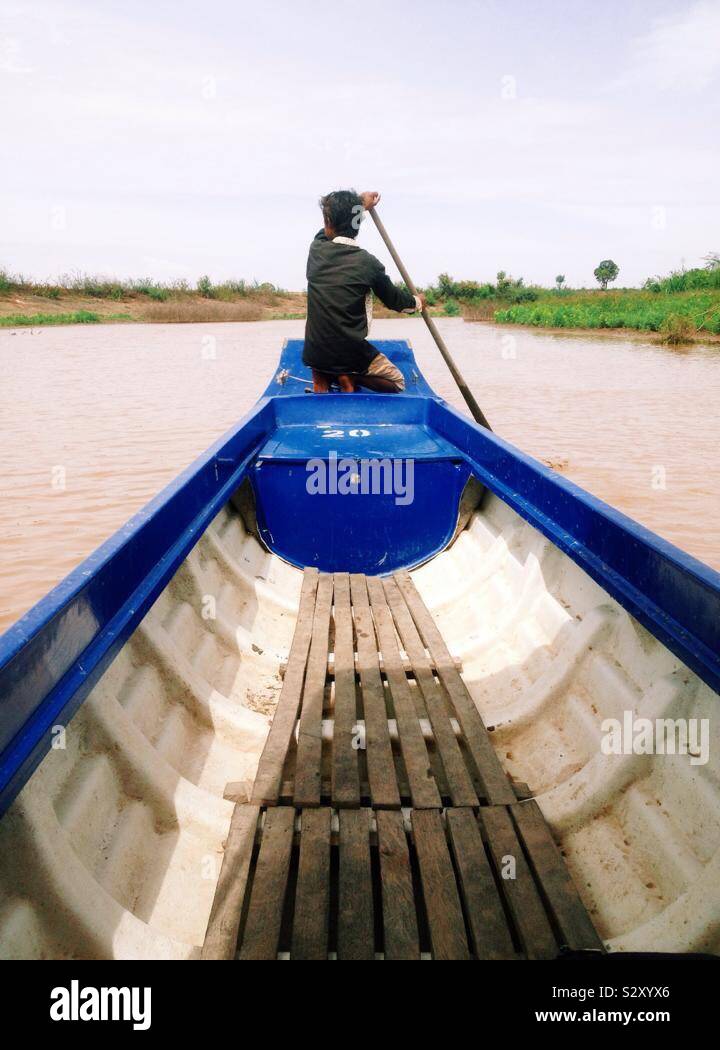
(470, 401)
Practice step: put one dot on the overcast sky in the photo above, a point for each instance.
(173, 139)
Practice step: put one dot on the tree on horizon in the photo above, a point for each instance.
(605, 272)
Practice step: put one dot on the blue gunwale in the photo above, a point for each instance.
(53, 656)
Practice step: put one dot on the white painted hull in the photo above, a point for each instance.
(113, 848)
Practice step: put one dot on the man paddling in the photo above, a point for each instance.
(342, 278)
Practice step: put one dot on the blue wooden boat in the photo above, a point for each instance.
(144, 684)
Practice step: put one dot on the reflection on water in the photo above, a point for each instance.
(95, 420)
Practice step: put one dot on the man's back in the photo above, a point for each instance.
(341, 278)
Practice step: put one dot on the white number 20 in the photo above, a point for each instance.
(358, 433)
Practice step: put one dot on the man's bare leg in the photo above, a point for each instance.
(321, 382)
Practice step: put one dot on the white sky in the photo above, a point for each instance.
(171, 139)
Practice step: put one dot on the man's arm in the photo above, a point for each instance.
(394, 298)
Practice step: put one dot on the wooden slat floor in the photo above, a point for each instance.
(382, 824)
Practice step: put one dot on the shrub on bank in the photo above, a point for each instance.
(677, 330)
(471, 293)
(685, 281)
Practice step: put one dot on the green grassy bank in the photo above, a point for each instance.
(35, 320)
(681, 306)
(693, 312)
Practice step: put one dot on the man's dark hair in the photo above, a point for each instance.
(342, 210)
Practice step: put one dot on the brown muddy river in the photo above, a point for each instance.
(95, 420)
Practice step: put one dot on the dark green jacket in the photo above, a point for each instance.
(340, 276)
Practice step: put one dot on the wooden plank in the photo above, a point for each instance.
(423, 789)
(442, 903)
(262, 929)
(498, 789)
(312, 896)
(356, 931)
(345, 772)
(309, 746)
(556, 884)
(381, 767)
(521, 894)
(270, 767)
(403, 656)
(483, 906)
(400, 928)
(287, 793)
(460, 785)
(222, 929)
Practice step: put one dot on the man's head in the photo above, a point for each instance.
(342, 213)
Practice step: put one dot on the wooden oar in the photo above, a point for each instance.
(470, 401)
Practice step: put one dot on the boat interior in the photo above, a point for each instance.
(116, 845)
